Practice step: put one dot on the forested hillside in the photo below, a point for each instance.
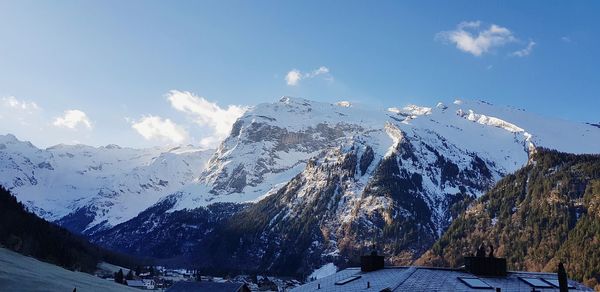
(30, 235)
(545, 213)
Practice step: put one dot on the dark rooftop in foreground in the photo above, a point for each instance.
(480, 273)
(435, 279)
(208, 287)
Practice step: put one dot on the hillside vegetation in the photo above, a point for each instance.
(25, 233)
(546, 213)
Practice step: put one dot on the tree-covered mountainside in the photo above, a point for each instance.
(545, 213)
(30, 235)
(166, 235)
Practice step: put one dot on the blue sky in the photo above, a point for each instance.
(143, 73)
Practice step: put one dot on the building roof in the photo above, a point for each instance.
(136, 283)
(205, 286)
(433, 279)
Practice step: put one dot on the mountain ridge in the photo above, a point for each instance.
(352, 174)
(91, 188)
(405, 174)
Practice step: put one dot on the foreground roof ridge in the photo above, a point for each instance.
(404, 277)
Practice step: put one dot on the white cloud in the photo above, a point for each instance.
(15, 104)
(526, 51)
(29, 121)
(157, 128)
(471, 38)
(566, 39)
(294, 76)
(72, 119)
(207, 113)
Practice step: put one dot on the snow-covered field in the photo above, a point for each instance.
(21, 273)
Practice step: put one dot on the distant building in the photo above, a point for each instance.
(146, 284)
(150, 284)
(479, 274)
(184, 286)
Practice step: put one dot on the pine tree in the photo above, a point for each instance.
(119, 277)
(130, 275)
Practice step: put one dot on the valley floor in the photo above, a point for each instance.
(21, 273)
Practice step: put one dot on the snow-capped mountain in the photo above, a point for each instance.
(318, 181)
(87, 188)
(327, 179)
(272, 142)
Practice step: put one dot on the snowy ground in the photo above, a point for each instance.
(104, 266)
(322, 272)
(21, 273)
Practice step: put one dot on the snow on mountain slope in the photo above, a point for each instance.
(562, 135)
(327, 179)
(398, 177)
(94, 187)
(86, 188)
(272, 142)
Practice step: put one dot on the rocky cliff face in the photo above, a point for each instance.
(348, 198)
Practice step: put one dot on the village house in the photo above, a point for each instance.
(145, 284)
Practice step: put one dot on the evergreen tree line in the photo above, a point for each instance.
(547, 212)
(25, 233)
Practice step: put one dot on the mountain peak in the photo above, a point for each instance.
(8, 137)
(112, 146)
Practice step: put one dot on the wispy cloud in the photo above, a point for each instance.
(157, 128)
(293, 77)
(525, 51)
(473, 38)
(566, 39)
(205, 113)
(19, 105)
(73, 119)
(16, 112)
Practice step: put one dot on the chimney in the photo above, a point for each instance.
(562, 278)
(372, 262)
(485, 266)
